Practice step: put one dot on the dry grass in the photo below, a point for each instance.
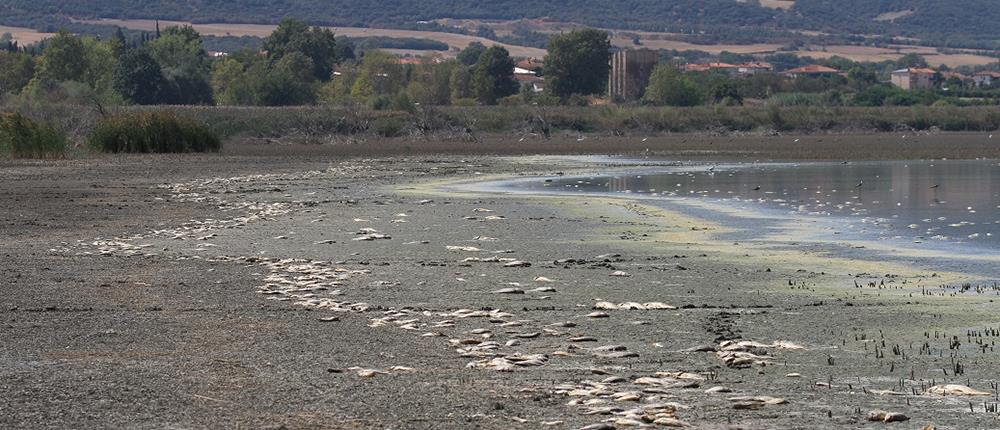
(619, 38)
(25, 36)
(622, 40)
(455, 41)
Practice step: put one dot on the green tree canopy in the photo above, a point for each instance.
(668, 86)
(911, 60)
(16, 70)
(493, 75)
(320, 45)
(138, 78)
(471, 53)
(62, 58)
(577, 62)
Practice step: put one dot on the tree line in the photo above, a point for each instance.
(301, 65)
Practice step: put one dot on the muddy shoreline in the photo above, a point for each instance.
(309, 290)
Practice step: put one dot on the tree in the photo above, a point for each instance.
(577, 63)
(471, 53)
(62, 60)
(493, 75)
(380, 74)
(911, 60)
(16, 70)
(861, 78)
(289, 82)
(430, 83)
(138, 78)
(320, 45)
(460, 82)
(668, 86)
(185, 65)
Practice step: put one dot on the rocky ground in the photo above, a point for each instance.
(306, 291)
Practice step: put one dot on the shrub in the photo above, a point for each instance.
(24, 138)
(152, 132)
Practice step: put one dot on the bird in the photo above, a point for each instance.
(580, 139)
(645, 139)
(935, 186)
(711, 169)
(757, 188)
(859, 184)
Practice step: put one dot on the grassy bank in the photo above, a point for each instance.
(324, 124)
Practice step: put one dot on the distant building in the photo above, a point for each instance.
(812, 70)
(986, 79)
(537, 83)
(530, 64)
(710, 67)
(914, 78)
(754, 68)
(745, 69)
(629, 75)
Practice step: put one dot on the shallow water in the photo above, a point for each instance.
(946, 207)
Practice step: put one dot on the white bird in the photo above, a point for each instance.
(646, 138)
(580, 139)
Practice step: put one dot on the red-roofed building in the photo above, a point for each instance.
(731, 69)
(754, 67)
(986, 79)
(529, 64)
(537, 83)
(914, 78)
(812, 70)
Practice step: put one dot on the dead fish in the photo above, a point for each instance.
(597, 315)
(543, 290)
(755, 402)
(583, 339)
(543, 279)
(368, 373)
(619, 273)
(718, 389)
(509, 291)
(886, 392)
(329, 319)
(517, 263)
(955, 390)
(373, 236)
(463, 248)
(886, 417)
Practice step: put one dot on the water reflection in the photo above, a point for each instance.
(922, 201)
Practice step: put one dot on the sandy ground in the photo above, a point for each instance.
(239, 290)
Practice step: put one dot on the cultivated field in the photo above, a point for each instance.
(455, 41)
(619, 38)
(24, 36)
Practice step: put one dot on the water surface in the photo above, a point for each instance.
(951, 208)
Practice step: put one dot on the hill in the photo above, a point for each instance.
(954, 23)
